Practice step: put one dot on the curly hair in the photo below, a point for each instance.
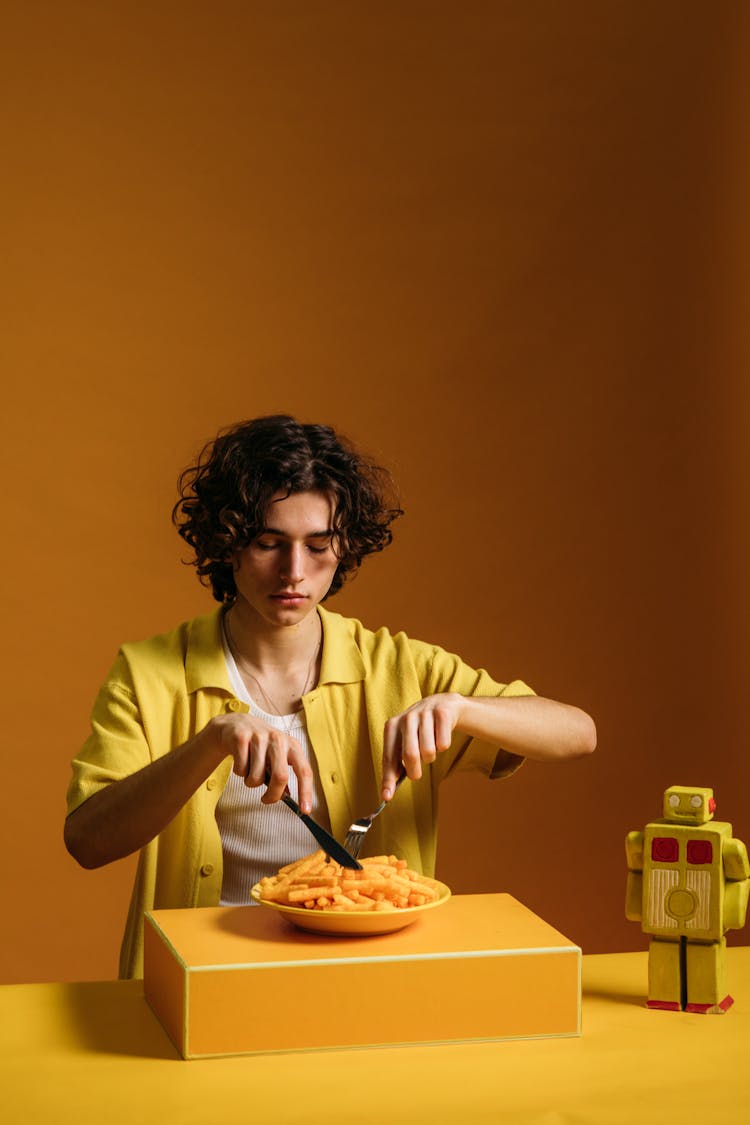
(225, 495)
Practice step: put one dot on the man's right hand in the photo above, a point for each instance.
(260, 751)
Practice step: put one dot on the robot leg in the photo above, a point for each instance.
(664, 975)
(707, 984)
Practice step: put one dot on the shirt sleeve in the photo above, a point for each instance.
(444, 671)
(117, 745)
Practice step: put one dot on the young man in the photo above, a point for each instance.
(196, 733)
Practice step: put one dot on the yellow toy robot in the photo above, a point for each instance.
(688, 883)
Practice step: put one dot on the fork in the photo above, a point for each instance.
(355, 837)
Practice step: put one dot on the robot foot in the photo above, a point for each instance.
(711, 1009)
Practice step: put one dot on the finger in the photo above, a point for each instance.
(427, 747)
(276, 772)
(257, 753)
(391, 758)
(304, 774)
(410, 750)
(240, 751)
(443, 728)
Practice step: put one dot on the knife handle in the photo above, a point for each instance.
(330, 845)
(267, 780)
(290, 803)
(286, 796)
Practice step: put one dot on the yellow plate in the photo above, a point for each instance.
(360, 923)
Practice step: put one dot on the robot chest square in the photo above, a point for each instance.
(684, 850)
(682, 867)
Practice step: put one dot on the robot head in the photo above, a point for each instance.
(689, 806)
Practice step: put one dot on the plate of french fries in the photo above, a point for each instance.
(321, 896)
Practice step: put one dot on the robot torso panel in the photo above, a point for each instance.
(683, 879)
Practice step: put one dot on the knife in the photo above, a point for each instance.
(330, 846)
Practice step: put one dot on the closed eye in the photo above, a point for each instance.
(274, 544)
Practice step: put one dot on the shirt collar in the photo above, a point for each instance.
(342, 660)
(205, 665)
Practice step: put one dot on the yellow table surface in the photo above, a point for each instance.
(95, 1052)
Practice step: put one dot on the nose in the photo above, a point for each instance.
(292, 570)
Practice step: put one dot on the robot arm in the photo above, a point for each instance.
(737, 887)
(634, 887)
(736, 864)
(634, 851)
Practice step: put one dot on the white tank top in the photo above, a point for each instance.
(258, 839)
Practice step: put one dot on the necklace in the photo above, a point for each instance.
(274, 707)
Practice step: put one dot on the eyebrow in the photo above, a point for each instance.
(327, 534)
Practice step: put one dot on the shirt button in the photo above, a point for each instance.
(211, 783)
(334, 777)
(234, 705)
(207, 869)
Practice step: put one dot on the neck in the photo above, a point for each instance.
(266, 646)
(282, 668)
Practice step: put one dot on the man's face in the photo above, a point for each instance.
(287, 570)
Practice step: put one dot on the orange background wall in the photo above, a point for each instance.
(501, 246)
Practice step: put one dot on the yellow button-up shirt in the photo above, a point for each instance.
(161, 692)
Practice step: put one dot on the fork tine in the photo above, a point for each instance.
(355, 837)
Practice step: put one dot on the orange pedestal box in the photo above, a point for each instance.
(241, 980)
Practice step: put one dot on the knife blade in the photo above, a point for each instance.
(327, 842)
(329, 845)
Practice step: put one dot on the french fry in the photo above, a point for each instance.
(302, 894)
(316, 882)
(301, 865)
(321, 880)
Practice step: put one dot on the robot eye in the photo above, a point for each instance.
(696, 801)
(674, 801)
